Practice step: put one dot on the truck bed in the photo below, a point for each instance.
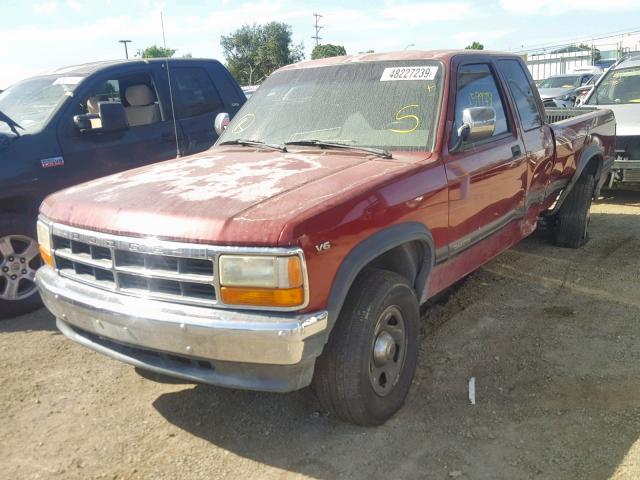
(555, 115)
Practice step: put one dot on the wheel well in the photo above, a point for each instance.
(23, 205)
(408, 260)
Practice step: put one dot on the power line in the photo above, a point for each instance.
(588, 39)
(318, 27)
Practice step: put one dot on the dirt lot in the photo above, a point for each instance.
(552, 336)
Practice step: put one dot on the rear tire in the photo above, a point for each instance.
(366, 370)
(572, 223)
(19, 259)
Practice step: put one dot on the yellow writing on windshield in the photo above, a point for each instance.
(402, 117)
(245, 122)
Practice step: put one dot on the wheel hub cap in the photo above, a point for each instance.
(387, 351)
(384, 349)
(19, 260)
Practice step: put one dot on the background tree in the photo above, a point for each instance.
(475, 46)
(254, 51)
(155, 51)
(327, 50)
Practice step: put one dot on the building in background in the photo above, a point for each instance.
(562, 59)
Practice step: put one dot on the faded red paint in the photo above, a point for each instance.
(243, 196)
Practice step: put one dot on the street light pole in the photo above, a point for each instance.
(410, 45)
(126, 52)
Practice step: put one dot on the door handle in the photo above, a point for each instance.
(515, 151)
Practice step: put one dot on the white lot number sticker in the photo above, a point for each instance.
(409, 73)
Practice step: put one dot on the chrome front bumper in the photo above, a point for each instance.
(240, 349)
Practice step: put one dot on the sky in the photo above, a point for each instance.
(41, 35)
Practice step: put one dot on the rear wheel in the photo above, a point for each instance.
(19, 260)
(572, 223)
(365, 373)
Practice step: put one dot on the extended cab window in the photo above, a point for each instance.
(521, 92)
(477, 87)
(195, 92)
(137, 94)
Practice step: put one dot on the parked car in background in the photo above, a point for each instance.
(87, 121)
(345, 194)
(619, 90)
(558, 90)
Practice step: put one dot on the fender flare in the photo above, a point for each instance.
(587, 154)
(369, 249)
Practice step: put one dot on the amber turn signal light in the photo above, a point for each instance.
(46, 257)
(263, 297)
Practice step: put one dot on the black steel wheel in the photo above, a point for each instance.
(366, 370)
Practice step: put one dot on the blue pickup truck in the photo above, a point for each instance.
(83, 122)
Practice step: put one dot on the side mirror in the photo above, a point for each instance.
(112, 118)
(478, 123)
(221, 122)
(83, 122)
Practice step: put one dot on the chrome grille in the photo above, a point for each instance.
(145, 268)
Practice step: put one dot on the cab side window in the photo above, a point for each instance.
(477, 87)
(137, 93)
(194, 92)
(522, 93)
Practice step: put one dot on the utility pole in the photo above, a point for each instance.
(318, 27)
(126, 52)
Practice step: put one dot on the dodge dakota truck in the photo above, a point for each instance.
(346, 192)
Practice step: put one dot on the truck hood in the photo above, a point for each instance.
(227, 195)
(553, 92)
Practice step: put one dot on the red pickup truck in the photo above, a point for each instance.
(346, 193)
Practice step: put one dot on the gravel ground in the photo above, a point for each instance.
(551, 335)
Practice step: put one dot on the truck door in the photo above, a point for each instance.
(536, 135)
(150, 137)
(487, 179)
(197, 102)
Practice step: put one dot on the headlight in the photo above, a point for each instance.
(44, 242)
(259, 280)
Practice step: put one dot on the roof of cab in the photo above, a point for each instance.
(93, 67)
(401, 55)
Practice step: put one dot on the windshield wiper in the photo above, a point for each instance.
(12, 124)
(254, 143)
(322, 144)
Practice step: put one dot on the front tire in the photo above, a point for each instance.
(572, 223)
(19, 260)
(366, 370)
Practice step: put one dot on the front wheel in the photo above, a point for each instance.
(366, 370)
(19, 260)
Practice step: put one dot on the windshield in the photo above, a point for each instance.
(618, 86)
(386, 105)
(565, 81)
(31, 102)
